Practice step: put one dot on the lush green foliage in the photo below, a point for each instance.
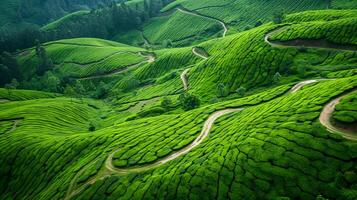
(346, 110)
(242, 14)
(152, 138)
(177, 27)
(343, 31)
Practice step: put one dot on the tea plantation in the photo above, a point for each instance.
(191, 105)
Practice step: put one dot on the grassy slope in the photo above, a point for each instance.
(242, 13)
(251, 62)
(70, 17)
(346, 111)
(84, 57)
(19, 95)
(240, 159)
(176, 27)
(283, 153)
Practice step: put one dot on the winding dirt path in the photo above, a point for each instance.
(298, 86)
(308, 43)
(184, 78)
(325, 119)
(195, 51)
(225, 29)
(204, 133)
(110, 169)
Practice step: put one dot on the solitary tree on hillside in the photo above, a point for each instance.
(189, 101)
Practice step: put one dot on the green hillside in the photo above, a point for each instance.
(84, 57)
(229, 99)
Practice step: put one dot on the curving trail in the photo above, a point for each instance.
(225, 29)
(184, 78)
(195, 51)
(308, 43)
(325, 119)
(298, 86)
(110, 169)
(204, 133)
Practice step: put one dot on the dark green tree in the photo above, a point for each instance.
(221, 90)
(166, 103)
(241, 91)
(189, 101)
(45, 63)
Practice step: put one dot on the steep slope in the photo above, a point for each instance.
(238, 159)
(250, 61)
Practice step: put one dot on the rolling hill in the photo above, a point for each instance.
(201, 102)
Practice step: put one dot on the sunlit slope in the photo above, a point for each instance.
(239, 159)
(84, 57)
(179, 27)
(241, 14)
(250, 58)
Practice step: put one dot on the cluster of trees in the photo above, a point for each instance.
(186, 100)
(189, 101)
(103, 22)
(9, 69)
(51, 82)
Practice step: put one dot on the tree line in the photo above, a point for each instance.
(103, 22)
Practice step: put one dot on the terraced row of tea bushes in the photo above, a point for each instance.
(167, 60)
(242, 14)
(341, 31)
(159, 78)
(20, 95)
(44, 142)
(89, 42)
(246, 63)
(275, 149)
(344, 4)
(197, 5)
(52, 116)
(138, 155)
(109, 64)
(250, 62)
(170, 87)
(6, 126)
(343, 73)
(346, 110)
(85, 56)
(178, 26)
(70, 17)
(51, 162)
(319, 15)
